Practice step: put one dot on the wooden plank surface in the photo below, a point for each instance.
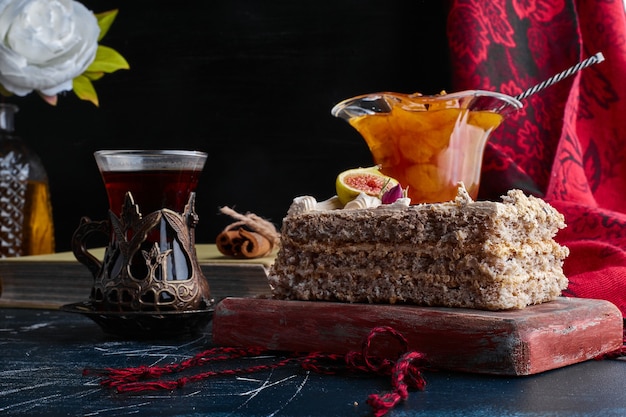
(518, 342)
(50, 281)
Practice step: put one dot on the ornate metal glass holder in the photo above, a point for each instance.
(150, 283)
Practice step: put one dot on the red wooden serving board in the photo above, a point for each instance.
(518, 342)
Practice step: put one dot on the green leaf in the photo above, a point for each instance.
(85, 90)
(107, 60)
(105, 20)
(93, 76)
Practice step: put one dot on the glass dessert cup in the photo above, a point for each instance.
(429, 143)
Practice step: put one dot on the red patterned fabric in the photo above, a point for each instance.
(568, 144)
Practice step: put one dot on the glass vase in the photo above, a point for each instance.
(26, 224)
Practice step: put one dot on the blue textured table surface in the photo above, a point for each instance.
(43, 354)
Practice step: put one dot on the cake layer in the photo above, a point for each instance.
(425, 223)
(307, 263)
(430, 290)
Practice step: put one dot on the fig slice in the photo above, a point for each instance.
(371, 181)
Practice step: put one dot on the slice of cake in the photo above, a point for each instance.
(484, 255)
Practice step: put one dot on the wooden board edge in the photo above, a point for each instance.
(502, 346)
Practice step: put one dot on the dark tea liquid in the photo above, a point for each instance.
(153, 191)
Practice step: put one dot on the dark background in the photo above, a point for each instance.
(251, 82)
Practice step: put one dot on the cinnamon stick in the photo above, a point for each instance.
(249, 237)
(242, 243)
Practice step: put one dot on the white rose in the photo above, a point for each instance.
(45, 44)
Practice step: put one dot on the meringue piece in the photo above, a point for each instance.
(302, 204)
(332, 203)
(400, 204)
(363, 201)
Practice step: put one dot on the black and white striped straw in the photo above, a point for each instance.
(595, 59)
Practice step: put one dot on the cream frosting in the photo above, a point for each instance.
(308, 203)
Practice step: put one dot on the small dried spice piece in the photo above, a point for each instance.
(249, 237)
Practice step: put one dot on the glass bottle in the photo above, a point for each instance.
(26, 225)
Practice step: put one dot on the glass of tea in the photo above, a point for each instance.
(150, 263)
(156, 178)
